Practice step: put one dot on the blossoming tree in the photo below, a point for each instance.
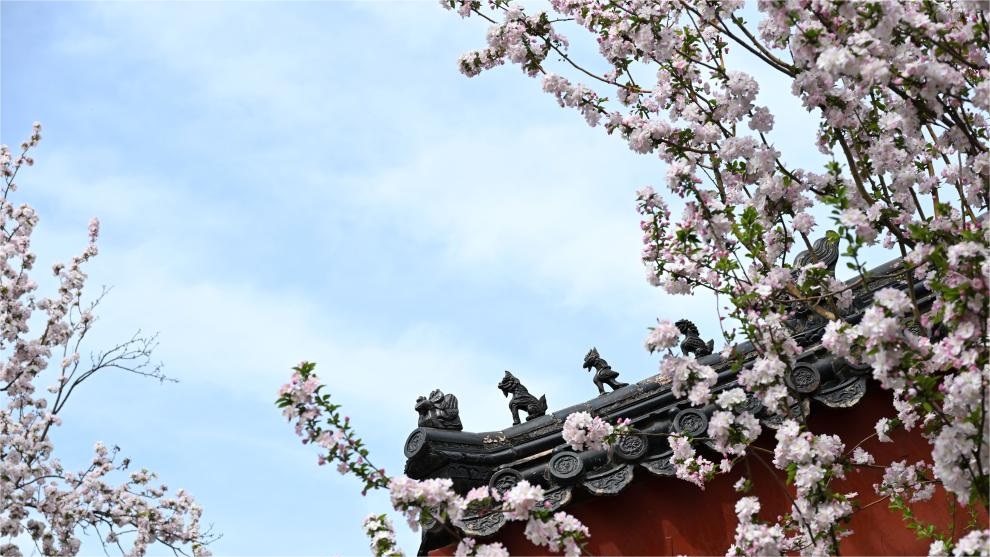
(901, 93)
(42, 504)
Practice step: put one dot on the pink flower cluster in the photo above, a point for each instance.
(753, 538)
(689, 465)
(381, 535)
(732, 430)
(688, 378)
(559, 533)
(813, 460)
(664, 335)
(912, 481)
(428, 501)
(582, 432)
(469, 547)
(973, 544)
(900, 358)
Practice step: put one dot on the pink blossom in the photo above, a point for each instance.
(582, 432)
(753, 538)
(519, 501)
(803, 222)
(468, 547)
(664, 335)
(688, 465)
(688, 378)
(892, 299)
(381, 534)
(860, 456)
(973, 543)
(561, 532)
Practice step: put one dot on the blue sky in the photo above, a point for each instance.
(291, 181)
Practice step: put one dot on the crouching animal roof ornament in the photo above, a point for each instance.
(439, 411)
(604, 374)
(521, 399)
(692, 343)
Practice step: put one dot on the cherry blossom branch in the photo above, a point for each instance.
(39, 499)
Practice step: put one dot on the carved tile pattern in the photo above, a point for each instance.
(751, 405)
(845, 396)
(610, 482)
(474, 473)
(773, 421)
(660, 466)
(504, 480)
(691, 422)
(414, 443)
(484, 525)
(804, 379)
(557, 498)
(631, 447)
(565, 466)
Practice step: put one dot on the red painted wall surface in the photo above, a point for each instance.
(666, 516)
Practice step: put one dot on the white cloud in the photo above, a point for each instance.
(537, 205)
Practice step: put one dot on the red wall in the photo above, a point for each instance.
(666, 516)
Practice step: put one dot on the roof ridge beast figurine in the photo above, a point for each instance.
(692, 343)
(521, 399)
(604, 374)
(439, 411)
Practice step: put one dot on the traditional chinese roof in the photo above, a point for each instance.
(535, 450)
